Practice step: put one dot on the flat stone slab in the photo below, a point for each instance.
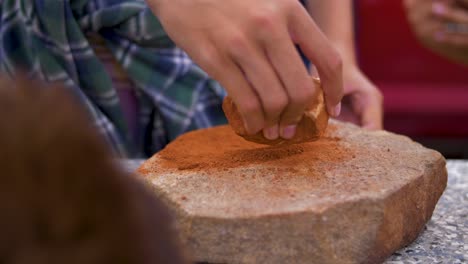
(353, 196)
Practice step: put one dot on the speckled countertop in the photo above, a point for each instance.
(445, 238)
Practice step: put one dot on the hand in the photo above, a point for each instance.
(248, 46)
(441, 25)
(363, 102)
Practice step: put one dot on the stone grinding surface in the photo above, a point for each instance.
(444, 239)
(351, 197)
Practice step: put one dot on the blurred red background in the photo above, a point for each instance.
(426, 96)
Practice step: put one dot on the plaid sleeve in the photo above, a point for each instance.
(48, 39)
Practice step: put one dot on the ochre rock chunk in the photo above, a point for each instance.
(310, 128)
(352, 196)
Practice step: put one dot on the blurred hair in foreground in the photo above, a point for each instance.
(62, 199)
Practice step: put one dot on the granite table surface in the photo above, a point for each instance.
(445, 237)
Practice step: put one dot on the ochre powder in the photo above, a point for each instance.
(220, 148)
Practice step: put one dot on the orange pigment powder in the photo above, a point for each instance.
(220, 148)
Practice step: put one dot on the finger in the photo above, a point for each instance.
(365, 100)
(457, 40)
(372, 116)
(426, 27)
(419, 12)
(231, 77)
(243, 94)
(455, 28)
(431, 31)
(320, 51)
(450, 13)
(262, 76)
(295, 77)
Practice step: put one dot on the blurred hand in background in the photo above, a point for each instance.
(441, 26)
(362, 102)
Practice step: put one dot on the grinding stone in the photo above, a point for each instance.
(353, 196)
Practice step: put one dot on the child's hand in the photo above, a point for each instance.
(249, 47)
(362, 102)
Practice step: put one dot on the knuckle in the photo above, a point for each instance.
(208, 61)
(336, 62)
(333, 65)
(238, 44)
(304, 95)
(264, 20)
(248, 107)
(276, 106)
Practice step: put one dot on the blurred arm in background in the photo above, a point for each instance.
(363, 102)
(442, 26)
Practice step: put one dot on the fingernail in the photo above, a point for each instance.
(288, 132)
(438, 9)
(337, 110)
(271, 133)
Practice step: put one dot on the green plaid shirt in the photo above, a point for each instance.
(47, 39)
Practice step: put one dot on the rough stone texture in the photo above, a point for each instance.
(310, 128)
(444, 240)
(360, 206)
(445, 237)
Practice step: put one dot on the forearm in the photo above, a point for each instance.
(335, 18)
